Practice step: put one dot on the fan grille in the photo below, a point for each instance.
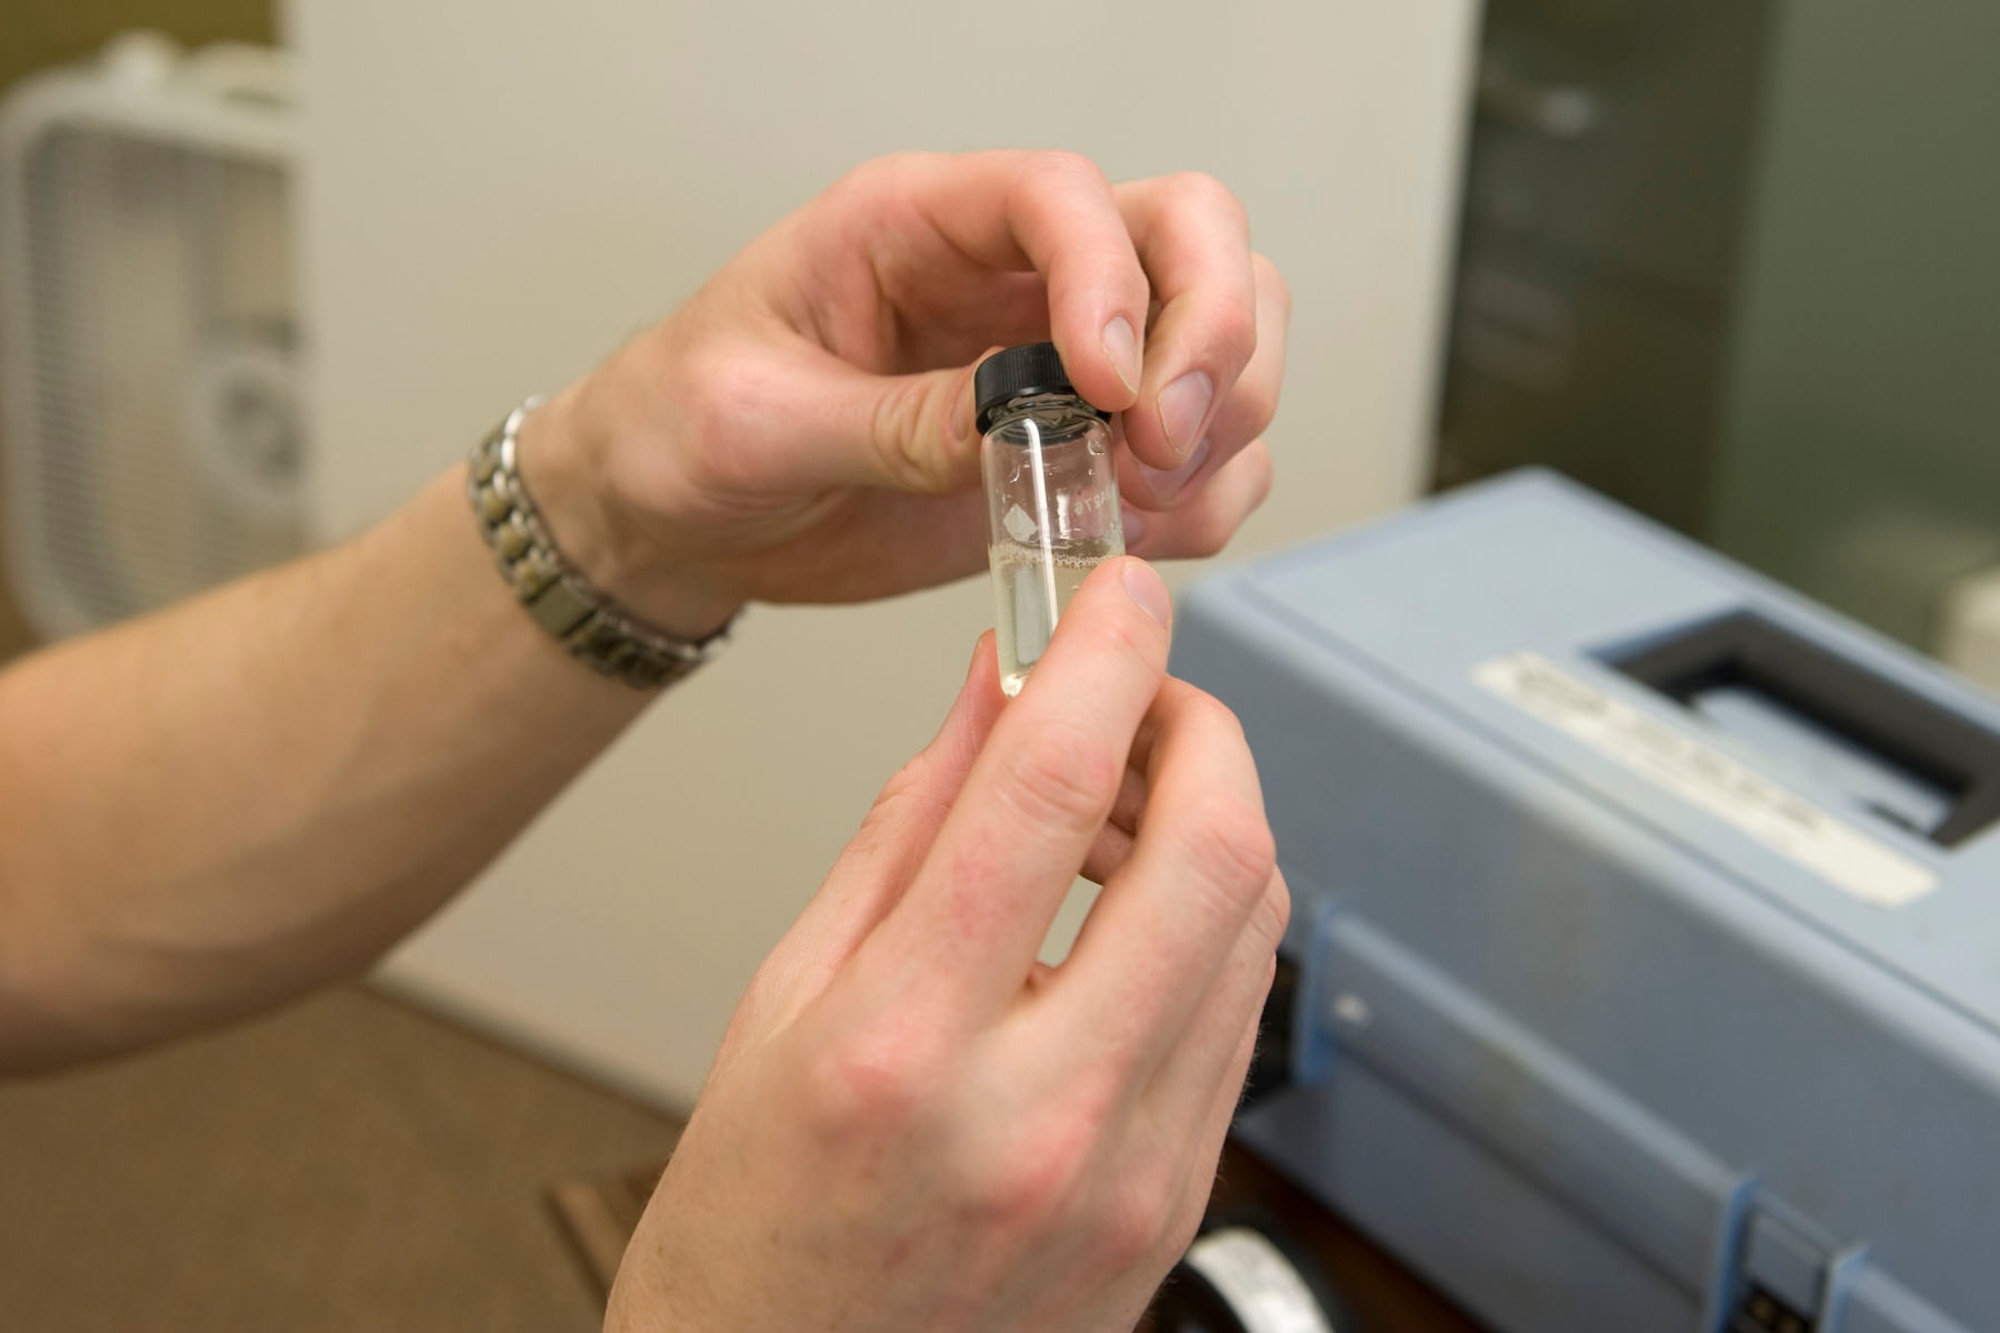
(171, 454)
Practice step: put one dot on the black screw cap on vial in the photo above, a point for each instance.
(1019, 372)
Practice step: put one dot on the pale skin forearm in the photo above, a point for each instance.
(213, 809)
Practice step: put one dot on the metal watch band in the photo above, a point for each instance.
(595, 629)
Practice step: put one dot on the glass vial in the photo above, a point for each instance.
(1051, 497)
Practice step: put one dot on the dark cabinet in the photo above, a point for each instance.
(1734, 262)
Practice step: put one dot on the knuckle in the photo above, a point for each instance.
(1060, 163)
(1255, 407)
(1272, 915)
(1028, 1187)
(1213, 715)
(906, 791)
(867, 1082)
(878, 172)
(1132, 1227)
(1207, 533)
(1264, 404)
(905, 782)
(896, 428)
(1256, 398)
(1271, 284)
(706, 401)
(1064, 779)
(1198, 189)
(1261, 473)
(1229, 845)
(1137, 1218)
(710, 411)
(858, 179)
(920, 438)
(1234, 328)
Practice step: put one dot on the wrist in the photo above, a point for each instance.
(610, 541)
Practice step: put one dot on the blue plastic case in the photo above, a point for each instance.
(1648, 918)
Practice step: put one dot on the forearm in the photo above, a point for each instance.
(212, 809)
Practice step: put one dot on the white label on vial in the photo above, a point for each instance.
(1262, 1288)
(1706, 777)
(1019, 526)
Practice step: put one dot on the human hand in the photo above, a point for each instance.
(802, 428)
(913, 1124)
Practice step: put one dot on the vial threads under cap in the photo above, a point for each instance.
(1019, 372)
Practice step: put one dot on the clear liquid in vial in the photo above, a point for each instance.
(1034, 588)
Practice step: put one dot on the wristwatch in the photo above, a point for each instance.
(594, 628)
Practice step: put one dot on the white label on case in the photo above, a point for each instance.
(1707, 777)
(1259, 1282)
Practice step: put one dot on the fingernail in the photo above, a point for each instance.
(1167, 482)
(1131, 525)
(1121, 345)
(1145, 588)
(1184, 409)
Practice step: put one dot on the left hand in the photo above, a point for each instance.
(912, 1124)
(802, 428)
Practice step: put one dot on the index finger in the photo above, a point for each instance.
(1056, 213)
(973, 919)
(1170, 916)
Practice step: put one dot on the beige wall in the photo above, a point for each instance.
(499, 192)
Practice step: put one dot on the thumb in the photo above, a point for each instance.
(909, 433)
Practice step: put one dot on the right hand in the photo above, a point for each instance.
(914, 1125)
(801, 429)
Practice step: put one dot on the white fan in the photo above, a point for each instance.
(154, 426)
